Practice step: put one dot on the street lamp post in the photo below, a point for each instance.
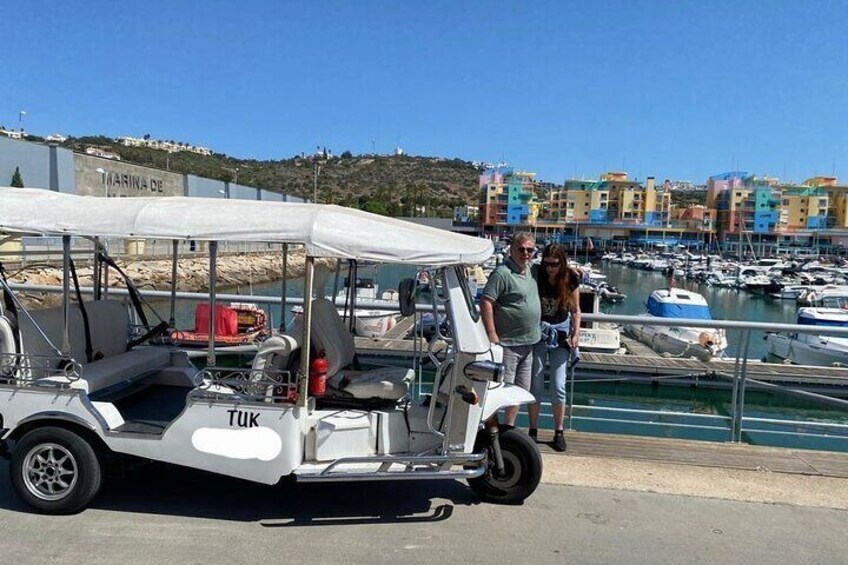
(103, 176)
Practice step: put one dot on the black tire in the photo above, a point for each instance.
(522, 468)
(55, 471)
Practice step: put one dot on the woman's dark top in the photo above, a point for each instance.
(551, 312)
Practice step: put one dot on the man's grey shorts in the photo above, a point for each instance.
(518, 365)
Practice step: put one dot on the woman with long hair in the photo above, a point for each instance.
(559, 294)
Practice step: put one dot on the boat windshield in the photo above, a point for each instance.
(840, 302)
(466, 293)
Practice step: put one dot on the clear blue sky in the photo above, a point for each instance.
(676, 90)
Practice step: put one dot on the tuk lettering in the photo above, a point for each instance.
(243, 419)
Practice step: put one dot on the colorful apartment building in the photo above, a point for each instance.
(612, 199)
(582, 201)
(506, 198)
(744, 203)
(837, 200)
(803, 207)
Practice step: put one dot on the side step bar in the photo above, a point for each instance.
(428, 467)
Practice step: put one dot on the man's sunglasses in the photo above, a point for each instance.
(527, 249)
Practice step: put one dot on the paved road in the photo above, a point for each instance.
(161, 514)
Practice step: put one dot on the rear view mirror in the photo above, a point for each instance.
(406, 296)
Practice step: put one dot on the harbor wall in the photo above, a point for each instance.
(233, 271)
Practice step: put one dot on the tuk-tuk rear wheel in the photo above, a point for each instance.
(522, 468)
(55, 471)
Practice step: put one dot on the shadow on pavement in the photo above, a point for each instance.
(177, 491)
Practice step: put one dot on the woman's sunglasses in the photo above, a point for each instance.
(551, 263)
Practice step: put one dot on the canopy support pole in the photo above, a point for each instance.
(213, 280)
(336, 280)
(354, 277)
(284, 291)
(175, 247)
(66, 293)
(95, 275)
(303, 372)
(105, 270)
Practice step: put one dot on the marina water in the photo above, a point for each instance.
(660, 410)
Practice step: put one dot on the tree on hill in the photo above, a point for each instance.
(17, 179)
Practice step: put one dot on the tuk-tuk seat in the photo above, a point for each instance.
(108, 325)
(276, 352)
(330, 335)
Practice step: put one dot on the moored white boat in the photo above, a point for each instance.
(815, 349)
(681, 341)
(595, 336)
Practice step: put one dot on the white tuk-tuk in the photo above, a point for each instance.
(77, 385)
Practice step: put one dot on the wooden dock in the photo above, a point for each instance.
(593, 365)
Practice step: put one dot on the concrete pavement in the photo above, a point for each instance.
(162, 514)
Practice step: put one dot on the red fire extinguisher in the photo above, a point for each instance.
(318, 375)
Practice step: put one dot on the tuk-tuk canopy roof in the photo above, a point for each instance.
(325, 230)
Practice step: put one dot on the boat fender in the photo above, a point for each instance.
(707, 339)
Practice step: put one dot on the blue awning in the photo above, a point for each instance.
(665, 310)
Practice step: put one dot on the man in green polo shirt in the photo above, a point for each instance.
(511, 312)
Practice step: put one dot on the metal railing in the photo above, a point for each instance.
(49, 249)
(732, 427)
(736, 424)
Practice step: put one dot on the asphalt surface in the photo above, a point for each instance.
(162, 514)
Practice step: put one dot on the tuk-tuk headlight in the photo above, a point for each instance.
(484, 371)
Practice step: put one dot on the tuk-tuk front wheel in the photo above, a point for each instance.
(522, 467)
(55, 471)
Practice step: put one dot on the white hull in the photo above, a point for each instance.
(600, 340)
(818, 350)
(373, 323)
(681, 341)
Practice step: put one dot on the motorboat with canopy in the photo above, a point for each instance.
(74, 384)
(681, 341)
(831, 310)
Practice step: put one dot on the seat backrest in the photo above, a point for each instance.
(330, 334)
(108, 323)
(276, 352)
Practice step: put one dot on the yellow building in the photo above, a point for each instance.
(820, 181)
(802, 207)
(837, 200)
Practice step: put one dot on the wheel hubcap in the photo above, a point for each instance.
(512, 471)
(50, 471)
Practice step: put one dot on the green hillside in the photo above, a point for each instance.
(394, 185)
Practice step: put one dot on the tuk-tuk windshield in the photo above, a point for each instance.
(466, 292)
